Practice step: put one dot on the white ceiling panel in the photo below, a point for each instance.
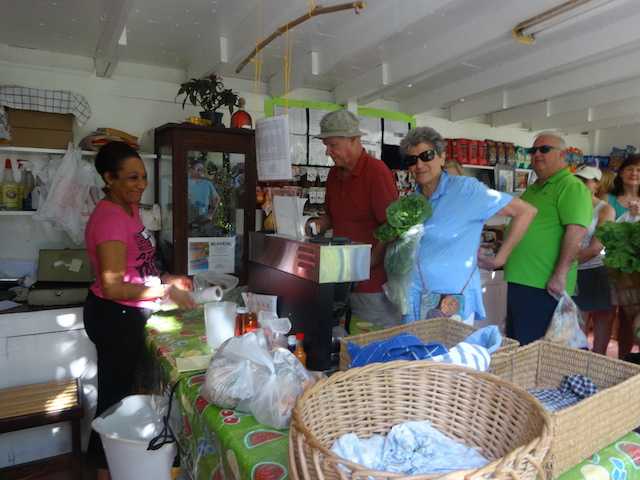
(454, 56)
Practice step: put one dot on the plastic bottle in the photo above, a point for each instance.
(27, 184)
(9, 188)
(299, 351)
(291, 343)
(250, 322)
(240, 118)
(240, 311)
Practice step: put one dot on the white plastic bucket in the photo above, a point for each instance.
(126, 429)
(219, 322)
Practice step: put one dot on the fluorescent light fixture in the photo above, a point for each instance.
(558, 17)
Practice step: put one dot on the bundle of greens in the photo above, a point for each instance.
(403, 214)
(403, 229)
(622, 243)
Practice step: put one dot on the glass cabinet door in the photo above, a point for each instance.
(207, 200)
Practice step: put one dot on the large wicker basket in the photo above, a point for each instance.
(593, 423)
(443, 330)
(506, 424)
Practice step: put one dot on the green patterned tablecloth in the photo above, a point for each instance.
(215, 443)
(618, 461)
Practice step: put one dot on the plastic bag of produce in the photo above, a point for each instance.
(399, 261)
(565, 325)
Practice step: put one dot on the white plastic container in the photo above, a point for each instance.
(126, 429)
(219, 322)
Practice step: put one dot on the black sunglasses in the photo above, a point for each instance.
(543, 149)
(425, 156)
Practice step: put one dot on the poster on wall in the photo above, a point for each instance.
(297, 118)
(213, 254)
(273, 153)
(394, 131)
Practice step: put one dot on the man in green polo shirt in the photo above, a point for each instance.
(543, 264)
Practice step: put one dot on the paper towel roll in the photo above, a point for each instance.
(211, 294)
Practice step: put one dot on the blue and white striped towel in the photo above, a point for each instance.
(473, 352)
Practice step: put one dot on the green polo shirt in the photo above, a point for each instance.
(562, 200)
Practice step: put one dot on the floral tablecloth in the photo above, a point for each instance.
(224, 444)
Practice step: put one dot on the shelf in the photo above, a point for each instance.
(19, 212)
(58, 151)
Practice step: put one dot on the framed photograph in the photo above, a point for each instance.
(522, 181)
(505, 177)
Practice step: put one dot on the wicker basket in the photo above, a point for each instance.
(443, 330)
(593, 423)
(507, 425)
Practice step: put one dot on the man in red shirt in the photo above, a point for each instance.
(359, 189)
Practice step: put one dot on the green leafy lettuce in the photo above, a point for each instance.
(622, 243)
(403, 214)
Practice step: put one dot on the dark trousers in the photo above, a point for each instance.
(529, 312)
(117, 332)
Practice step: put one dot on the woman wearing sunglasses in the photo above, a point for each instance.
(448, 256)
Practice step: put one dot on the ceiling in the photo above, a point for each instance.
(456, 58)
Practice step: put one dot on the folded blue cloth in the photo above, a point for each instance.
(473, 352)
(410, 448)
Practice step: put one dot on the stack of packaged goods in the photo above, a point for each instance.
(106, 135)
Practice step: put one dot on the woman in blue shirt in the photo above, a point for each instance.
(448, 256)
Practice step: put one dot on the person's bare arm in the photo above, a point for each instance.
(522, 213)
(571, 243)
(112, 264)
(606, 214)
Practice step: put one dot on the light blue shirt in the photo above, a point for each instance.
(449, 247)
(201, 193)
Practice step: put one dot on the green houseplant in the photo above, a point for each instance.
(210, 94)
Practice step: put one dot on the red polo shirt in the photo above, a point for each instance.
(357, 205)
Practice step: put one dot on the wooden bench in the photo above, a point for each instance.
(43, 404)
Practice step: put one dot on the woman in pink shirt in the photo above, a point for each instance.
(127, 285)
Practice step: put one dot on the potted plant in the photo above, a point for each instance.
(209, 94)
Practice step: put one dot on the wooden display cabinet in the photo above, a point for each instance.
(188, 240)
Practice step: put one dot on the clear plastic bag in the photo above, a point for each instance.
(564, 328)
(72, 196)
(399, 261)
(245, 374)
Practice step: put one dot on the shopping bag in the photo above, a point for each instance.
(564, 327)
(72, 196)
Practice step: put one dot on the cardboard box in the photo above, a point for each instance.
(30, 128)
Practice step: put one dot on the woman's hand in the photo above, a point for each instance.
(634, 208)
(182, 298)
(489, 263)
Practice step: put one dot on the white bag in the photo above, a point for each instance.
(72, 196)
(628, 217)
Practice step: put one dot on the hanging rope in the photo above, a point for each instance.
(287, 68)
(357, 6)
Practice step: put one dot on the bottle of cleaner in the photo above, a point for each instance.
(9, 188)
(27, 184)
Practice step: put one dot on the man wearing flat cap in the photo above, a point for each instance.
(359, 190)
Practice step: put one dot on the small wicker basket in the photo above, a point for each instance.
(442, 329)
(593, 423)
(503, 422)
